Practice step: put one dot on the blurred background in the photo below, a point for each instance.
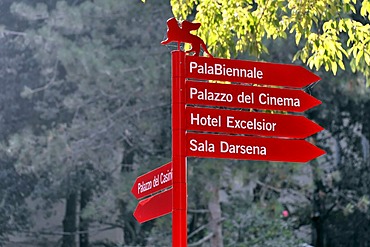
(85, 108)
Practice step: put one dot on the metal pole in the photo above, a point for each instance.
(179, 189)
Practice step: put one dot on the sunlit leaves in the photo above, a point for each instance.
(325, 33)
(182, 8)
(324, 50)
(365, 9)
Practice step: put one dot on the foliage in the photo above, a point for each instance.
(341, 184)
(251, 226)
(16, 67)
(14, 188)
(327, 33)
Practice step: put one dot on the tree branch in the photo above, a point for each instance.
(201, 241)
(268, 186)
(15, 33)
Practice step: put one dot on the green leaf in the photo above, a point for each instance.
(334, 67)
(298, 38)
(341, 64)
(367, 58)
(359, 55)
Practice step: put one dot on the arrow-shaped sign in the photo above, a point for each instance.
(261, 73)
(251, 123)
(241, 96)
(250, 148)
(154, 206)
(153, 181)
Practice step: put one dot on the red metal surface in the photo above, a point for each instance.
(153, 181)
(248, 72)
(181, 34)
(154, 206)
(250, 148)
(251, 123)
(216, 94)
(213, 146)
(179, 187)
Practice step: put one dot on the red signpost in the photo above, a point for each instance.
(259, 136)
(179, 199)
(250, 72)
(250, 148)
(250, 123)
(241, 96)
(153, 181)
(154, 207)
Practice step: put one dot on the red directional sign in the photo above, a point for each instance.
(248, 72)
(154, 206)
(153, 181)
(250, 148)
(251, 123)
(240, 96)
(240, 123)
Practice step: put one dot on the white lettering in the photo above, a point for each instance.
(144, 186)
(193, 91)
(202, 147)
(254, 124)
(166, 177)
(225, 147)
(266, 99)
(223, 70)
(196, 119)
(193, 65)
(248, 99)
(210, 96)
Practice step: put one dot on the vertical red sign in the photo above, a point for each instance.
(179, 186)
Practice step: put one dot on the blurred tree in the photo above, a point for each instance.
(16, 66)
(100, 100)
(341, 190)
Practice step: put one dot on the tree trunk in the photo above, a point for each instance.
(319, 231)
(215, 221)
(84, 224)
(69, 221)
(319, 213)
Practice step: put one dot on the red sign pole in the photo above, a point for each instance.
(179, 166)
